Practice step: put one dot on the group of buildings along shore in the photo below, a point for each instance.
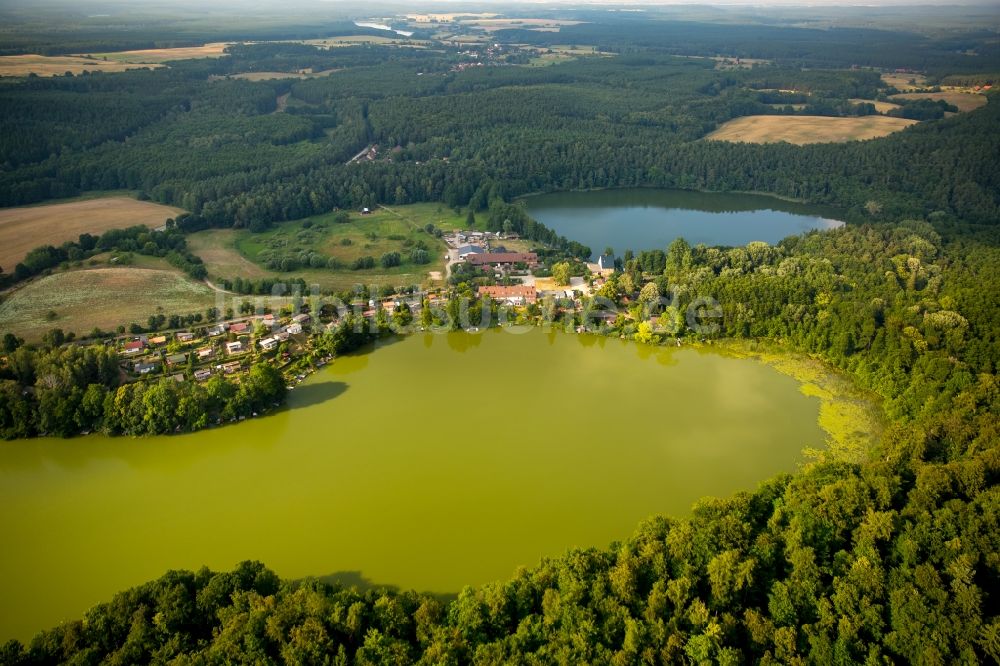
(228, 347)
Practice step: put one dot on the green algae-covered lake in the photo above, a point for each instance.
(433, 462)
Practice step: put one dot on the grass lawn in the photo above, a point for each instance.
(229, 253)
(101, 297)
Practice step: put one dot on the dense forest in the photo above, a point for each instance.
(885, 555)
(65, 391)
(214, 145)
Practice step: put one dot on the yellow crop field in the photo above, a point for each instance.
(807, 129)
(963, 100)
(881, 107)
(23, 65)
(147, 56)
(22, 229)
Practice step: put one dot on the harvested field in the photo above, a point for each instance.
(963, 100)
(901, 81)
(493, 24)
(354, 40)
(23, 229)
(270, 76)
(807, 129)
(881, 107)
(101, 297)
(147, 56)
(23, 65)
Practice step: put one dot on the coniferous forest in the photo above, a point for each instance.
(887, 555)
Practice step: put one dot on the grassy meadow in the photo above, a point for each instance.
(80, 300)
(230, 253)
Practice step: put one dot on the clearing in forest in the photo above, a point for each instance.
(807, 129)
(231, 253)
(23, 229)
(963, 100)
(881, 107)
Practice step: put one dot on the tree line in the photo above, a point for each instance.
(73, 389)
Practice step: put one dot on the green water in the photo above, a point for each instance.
(434, 462)
(647, 219)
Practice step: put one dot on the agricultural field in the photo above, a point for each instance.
(271, 76)
(448, 18)
(558, 53)
(881, 107)
(80, 300)
(157, 56)
(807, 129)
(963, 100)
(323, 251)
(493, 24)
(217, 248)
(902, 81)
(23, 229)
(23, 65)
(354, 40)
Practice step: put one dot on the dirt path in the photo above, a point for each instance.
(282, 103)
(219, 289)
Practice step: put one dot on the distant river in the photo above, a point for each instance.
(382, 26)
(644, 219)
(432, 462)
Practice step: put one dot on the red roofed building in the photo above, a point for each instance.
(518, 295)
(134, 347)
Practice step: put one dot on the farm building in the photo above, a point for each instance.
(466, 251)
